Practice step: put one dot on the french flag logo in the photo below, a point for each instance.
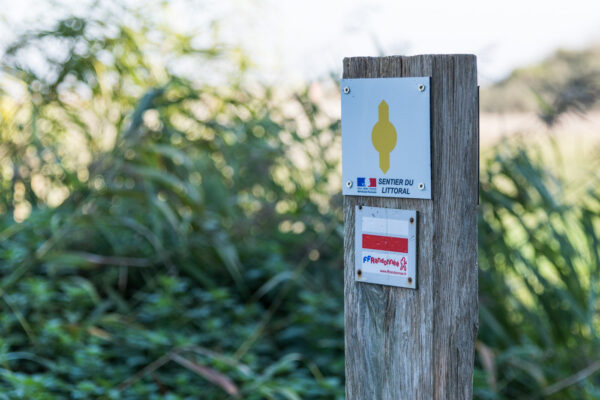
(366, 182)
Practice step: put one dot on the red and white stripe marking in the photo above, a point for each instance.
(389, 237)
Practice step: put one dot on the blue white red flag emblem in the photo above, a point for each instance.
(366, 182)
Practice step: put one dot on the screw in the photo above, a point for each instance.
(349, 184)
(346, 90)
(409, 281)
(360, 207)
(359, 273)
(412, 220)
(421, 88)
(421, 186)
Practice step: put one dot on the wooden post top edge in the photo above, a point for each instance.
(403, 57)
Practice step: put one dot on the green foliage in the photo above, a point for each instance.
(180, 239)
(539, 265)
(196, 250)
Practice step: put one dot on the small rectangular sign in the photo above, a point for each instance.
(386, 137)
(385, 246)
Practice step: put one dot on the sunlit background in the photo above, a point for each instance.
(294, 41)
(170, 206)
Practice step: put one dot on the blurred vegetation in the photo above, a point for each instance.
(164, 237)
(566, 81)
(195, 250)
(539, 260)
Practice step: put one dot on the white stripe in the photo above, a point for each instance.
(396, 227)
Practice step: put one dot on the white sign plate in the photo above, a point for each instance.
(386, 137)
(385, 246)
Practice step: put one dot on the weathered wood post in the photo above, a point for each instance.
(404, 343)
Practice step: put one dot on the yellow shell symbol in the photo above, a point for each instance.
(384, 136)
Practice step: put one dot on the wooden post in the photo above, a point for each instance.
(419, 344)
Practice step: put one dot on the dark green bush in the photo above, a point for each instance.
(196, 252)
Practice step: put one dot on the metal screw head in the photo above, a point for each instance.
(421, 186)
(349, 184)
(421, 87)
(346, 90)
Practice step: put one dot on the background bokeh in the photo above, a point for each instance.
(170, 208)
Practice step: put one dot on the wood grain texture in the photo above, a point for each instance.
(419, 344)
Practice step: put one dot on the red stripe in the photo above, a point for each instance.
(385, 243)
